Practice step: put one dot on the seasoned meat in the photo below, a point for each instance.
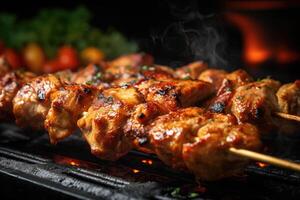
(255, 102)
(221, 103)
(191, 71)
(213, 76)
(10, 83)
(68, 104)
(170, 95)
(207, 155)
(170, 132)
(198, 141)
(128, 65)
(288, 97)
(102, 125)
(33, 100)
(156, 72)
(135, 127)
(92, 75)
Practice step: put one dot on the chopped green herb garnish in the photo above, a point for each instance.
(89, 82)
(193, 195)
(186, 78)
(175, 192)
(145, 67)
(239, 98)
(98, 75)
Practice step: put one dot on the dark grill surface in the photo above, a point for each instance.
(30, 167)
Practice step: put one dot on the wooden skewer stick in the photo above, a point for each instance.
(288, 116)
(265, 158)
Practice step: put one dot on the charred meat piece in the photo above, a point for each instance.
(102, 125)
(207, 154)
(213, 76)
(191, 70)
(10, 83)
(192, 139)
(256, 102)
(288, 97)
(173, 94)
(221, 103)
(68, 104)
(32, 102)
(155, 72)
(170, 132)
(128, 65)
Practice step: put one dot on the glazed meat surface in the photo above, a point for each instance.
(221, 102)
(173, 94)
(288, 97)
(33, 100)
(102, 125)
(68, 104)
(197, 141)
(191, 71)
(10, 83)
(213, 76)
(255, 102)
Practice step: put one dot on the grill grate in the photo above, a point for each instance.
(68, 170)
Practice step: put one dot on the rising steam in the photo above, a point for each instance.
(193, 36)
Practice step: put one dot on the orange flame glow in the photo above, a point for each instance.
(261, 164)
(147, 161)
(256, 50)
(258, 47)
(135, 171)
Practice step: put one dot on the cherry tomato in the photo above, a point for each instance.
(34, 57)
(13, 58)
(92, 55)
(51, 66)
(2, 47)
(67, 58)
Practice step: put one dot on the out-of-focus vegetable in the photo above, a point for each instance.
(92, 55)
(34, 57)
(67, 58)
(53, 27)
(2, 47)
(13, 58)
(51, 66)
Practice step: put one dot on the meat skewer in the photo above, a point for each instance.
(114, 104)
(254, 102)
(265, 158)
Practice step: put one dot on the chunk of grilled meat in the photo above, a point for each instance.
(256, 102)
(207, 156)
(221, 103)
(173, 94)
(154, 72)
(102, 125)
(67, 105)
(32, 102)
(10, 83)
(120, 112)
(288, 97)
(191, 70)
(213, 76)
(198, 141)
(128, 65)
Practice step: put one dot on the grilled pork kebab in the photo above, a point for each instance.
(131, 103)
